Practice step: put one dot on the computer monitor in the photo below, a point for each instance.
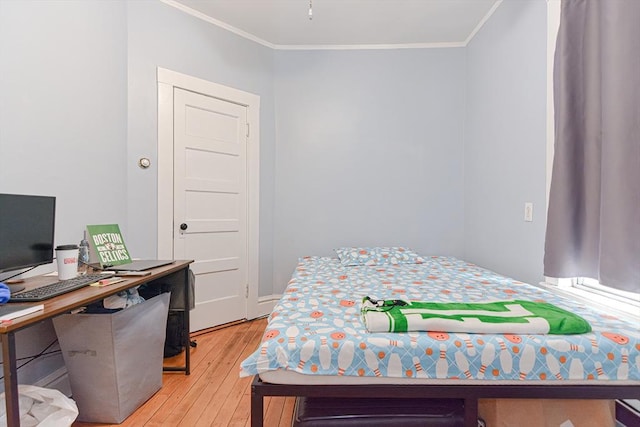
(27, 225)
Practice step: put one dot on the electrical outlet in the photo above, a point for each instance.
(528, 212)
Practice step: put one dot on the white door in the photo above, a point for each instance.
(210, 204)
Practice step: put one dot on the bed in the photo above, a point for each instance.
(316, 343)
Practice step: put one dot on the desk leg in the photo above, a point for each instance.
(10, 379)
(187, 308)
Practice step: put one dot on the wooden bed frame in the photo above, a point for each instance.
(470, 393)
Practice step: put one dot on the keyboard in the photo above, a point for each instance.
(58, 288)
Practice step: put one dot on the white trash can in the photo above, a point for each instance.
(114, 360)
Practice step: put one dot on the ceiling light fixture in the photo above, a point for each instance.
(310, 10)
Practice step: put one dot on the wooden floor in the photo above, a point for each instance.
(214, 394)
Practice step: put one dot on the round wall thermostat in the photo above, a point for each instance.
(144, 163)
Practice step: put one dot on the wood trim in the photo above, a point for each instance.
(165, 171)
(553, 22)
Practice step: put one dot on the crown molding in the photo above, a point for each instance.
(371, 46)
(482, 22)
(218, 23)
(270, 45)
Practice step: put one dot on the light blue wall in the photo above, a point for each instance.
(63, 108)
(505, 141)
(369, 152)
(162, 36)
(79, 106)
(363, 135)
(437, 149)
(63, 124)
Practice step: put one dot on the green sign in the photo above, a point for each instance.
(108, 245)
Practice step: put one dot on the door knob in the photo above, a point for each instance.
(183, 226)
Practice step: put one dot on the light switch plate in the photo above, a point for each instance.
(528, 212)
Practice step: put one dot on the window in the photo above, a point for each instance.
(592, 291)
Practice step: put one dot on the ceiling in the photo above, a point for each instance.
(362, 23)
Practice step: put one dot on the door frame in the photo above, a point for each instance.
(167, 81)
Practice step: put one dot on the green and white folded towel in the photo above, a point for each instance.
(500, 317)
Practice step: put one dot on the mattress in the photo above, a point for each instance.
(315, 334)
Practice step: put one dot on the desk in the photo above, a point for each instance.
(65, 303)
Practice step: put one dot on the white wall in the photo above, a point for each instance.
(505, 141)
(369, 152)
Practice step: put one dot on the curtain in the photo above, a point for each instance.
(593, 224)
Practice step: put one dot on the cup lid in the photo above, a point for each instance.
(66, 247)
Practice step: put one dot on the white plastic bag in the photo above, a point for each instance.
(42, 407)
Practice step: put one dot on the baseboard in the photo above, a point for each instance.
(58, 379)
